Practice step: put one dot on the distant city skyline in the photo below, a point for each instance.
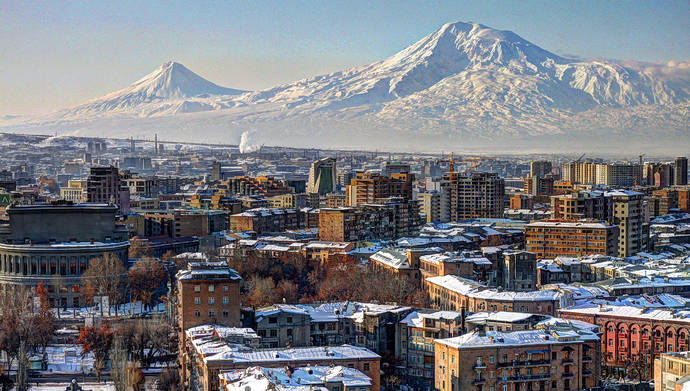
(56, 55)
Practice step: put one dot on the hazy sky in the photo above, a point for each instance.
(55, 54)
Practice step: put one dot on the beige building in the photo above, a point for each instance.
(75, 191)
(430, 206)
(672, 371)
(557, 357)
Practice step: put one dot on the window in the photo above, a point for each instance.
(226, 288)
(197, 288)
(211, 288)
(273, 320)
(491, 359)
(226, 314)
(634, 344)
(211, 314)
(366, 366)
(289, 332)
(289, 319)
(226, 300)
(274, 333)
(554, 355)
(197, 300)
(211, 300)
(197, 313)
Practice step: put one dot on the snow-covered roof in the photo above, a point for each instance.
(298, 379)
(520, 338)
(392, 257)
(471, 288)
(630, 311)
(294, 354)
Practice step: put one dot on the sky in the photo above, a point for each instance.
(57, 54)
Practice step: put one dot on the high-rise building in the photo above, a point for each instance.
(216, 170)
(478, 195)
(550, 239)
(391, 219)
(628, 216)
(680, 171)
(430, 205)
(103, 186)
(618, 174)
(582, 205)
(322, 176)
(539, 168)
(368, 188)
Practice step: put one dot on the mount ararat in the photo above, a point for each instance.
(466, 87)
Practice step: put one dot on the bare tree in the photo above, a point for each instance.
(59, 284)
(139, 249)
(107, 276)
(118, 365)
(145, 276)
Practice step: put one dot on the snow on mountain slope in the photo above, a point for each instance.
(170, 89)
(465, 83)
(478, 57)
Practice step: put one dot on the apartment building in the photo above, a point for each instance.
(628, 216)
(478, 195)
(550, 239)
(390, 220)
(672, 371)
(205, 358)
(208, 292)
(267, 220)
(370, 187)
(559, 357)
(634, 334)
(415, 343)
(103, 186)
(430, 206)
(322, 176)
(453, 293)
(582, 205)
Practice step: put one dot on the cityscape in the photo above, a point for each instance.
(472, 213)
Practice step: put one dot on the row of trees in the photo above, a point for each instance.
(107, 276)
(26, 328)
(272, 280)
(130, 346)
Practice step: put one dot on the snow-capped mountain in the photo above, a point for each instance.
(485, 66)
(463, 85)
(170, 89)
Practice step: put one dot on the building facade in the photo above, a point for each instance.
(54, 245)
(478, 195)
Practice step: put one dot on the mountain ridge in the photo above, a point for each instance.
(465, 80)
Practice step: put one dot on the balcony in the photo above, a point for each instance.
(586, 359)
(568, 375)
(479, 381)
(586, 372)
(479, 366)
(567, 361)
(526, 363)
(522, 378)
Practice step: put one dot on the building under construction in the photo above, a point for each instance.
(469, 196)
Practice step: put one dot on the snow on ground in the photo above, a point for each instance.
(85, 386)
(123, 309)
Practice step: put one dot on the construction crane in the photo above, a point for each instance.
(578, 159)
(475, 162)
